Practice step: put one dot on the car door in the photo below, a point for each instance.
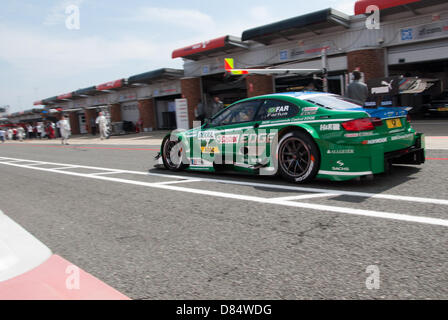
(228, 128)
(272, 114)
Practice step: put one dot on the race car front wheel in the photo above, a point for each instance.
(173, 154)
(298, 157)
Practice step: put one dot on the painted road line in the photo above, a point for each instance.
(82, 147)
(318, 207)
(176, 182)
(109, 169)
(306, 196)
(64, 168)
(104, 173)
(271, 186)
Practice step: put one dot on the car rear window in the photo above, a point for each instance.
(334, 102)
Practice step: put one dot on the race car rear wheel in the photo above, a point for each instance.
(173, 154)
(298, 157)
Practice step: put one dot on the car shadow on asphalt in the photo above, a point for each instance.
(398, 175)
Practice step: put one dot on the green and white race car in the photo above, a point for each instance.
(300, 136)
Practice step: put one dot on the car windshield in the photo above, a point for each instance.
(334, 102)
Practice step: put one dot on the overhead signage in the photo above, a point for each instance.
(432, 30)
(306, 51)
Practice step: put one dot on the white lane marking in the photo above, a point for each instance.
(176, 182)
(108, 169)
(63, 168)
(104, 173)
(349, 211)
(306, 196)
(16, 161)
(271, 186)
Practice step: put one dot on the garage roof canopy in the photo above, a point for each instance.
(85, 92)
(50, 100)
(204, 49)
(394, 6)
(288, 28)
(159, 74)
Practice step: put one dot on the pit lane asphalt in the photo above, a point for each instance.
(159, 244)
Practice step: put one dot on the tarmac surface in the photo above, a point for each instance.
(157, 235)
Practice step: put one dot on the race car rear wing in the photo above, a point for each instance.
(229, 66)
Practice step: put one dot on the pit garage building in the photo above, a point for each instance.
(411, 41)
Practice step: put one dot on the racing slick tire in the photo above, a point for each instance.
(173, 154)
(298, 157)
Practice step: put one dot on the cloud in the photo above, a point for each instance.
(53, 55)
(184, 18)
(260, 13)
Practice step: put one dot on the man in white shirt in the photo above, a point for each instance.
(65, 128)
(102, 123)
(20, 133)
(2, 135)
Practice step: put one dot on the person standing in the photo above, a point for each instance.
(217, 105)
(2, 135)
(29, 130)
(65, 128)
(9, 134)
(20, 133)
(199, 112)
(357, 90)
(102, 123)
(51, 130)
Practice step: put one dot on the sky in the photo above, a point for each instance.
(40, 57)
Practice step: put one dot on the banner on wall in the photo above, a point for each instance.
(182, 114)
(421, 32)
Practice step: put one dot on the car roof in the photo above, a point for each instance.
(301, 95)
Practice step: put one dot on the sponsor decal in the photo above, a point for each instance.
(276, 112)
(210, 149)
(351, 135)
(260, 138)
(341, 151)
(406, 136)
(303, 177)
(330, 127)
(206, 135)
(196, 162)
(360, 134)
(309, 111)
(340, 167)
(228, 138)
(306, 119)
(376, 141)
(367, 134)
